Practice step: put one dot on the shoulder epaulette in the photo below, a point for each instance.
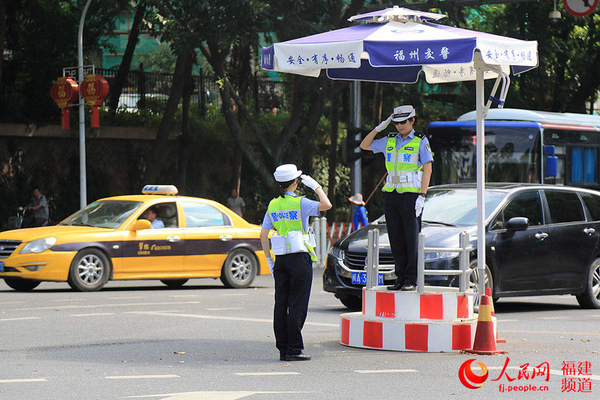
(420, 135)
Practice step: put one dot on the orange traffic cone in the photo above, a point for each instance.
(488, 292)
(485, 342)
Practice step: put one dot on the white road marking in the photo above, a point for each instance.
(233, 294)
(185, 295)
(91, 306)
(117, 377)
(224, 309)
(18, 319)
(207, 395)
(265, 373)
(549, 318)
(508, 320)
(22, 380)
(383, 371)
(65, 300)
(552, 372)
(91, 315)
(127, 297)
(199, 316)
(551, 332)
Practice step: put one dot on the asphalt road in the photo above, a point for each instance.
(139, 340)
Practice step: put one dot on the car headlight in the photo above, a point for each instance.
(336, 252)
(439, 255)
(39, 245)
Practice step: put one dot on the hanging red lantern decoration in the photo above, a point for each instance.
(64, 92)
(94, 90)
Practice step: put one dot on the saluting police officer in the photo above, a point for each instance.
(408, 161)
(292, 270)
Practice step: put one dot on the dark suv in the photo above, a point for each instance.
(540, 240)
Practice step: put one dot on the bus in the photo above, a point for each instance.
(520, 146)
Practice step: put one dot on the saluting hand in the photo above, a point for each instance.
(310, 182)
(384, 124)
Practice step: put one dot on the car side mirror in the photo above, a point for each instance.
(517, 224)
(140, 224)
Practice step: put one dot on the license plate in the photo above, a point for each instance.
(1, 266)
(360, 278)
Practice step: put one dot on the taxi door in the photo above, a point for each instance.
(155, 252)
(209, 237)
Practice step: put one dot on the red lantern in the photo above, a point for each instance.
(64, 92)
(94, 89)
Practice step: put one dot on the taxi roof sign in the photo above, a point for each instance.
(160, 189)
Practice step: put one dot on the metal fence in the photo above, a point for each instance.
(142, 89)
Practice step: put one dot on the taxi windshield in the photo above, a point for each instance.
(103, 214)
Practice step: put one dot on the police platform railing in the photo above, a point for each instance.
(372, 264)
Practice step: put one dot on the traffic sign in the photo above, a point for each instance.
(580, 8)
(73, 72)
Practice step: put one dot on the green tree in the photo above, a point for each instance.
(226, 34)
(40, 40)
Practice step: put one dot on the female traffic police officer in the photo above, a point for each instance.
(408, 161)
(292, 268)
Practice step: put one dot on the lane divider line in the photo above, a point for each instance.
(91, 314)
(265, 373)
(22, 380)
(119, 377)
(200, 316)
(18, 319)
(383, 371)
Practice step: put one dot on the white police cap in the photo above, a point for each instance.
(286, 172)
(403, 113)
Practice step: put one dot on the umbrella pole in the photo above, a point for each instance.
(480, 68)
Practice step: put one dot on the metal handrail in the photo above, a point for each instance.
(463, 262)
(372, 264)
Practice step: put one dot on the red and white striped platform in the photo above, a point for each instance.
(438, 320)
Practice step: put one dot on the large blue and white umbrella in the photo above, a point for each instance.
(396, 45)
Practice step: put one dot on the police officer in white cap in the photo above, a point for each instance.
(408, 160)
(292, 268)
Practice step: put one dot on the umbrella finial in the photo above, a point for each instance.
(398, 14)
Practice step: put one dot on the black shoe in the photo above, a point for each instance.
(407, 287)
(395, 286)
(281, 357)
(297, 357)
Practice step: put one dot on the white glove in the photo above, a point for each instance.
(419, 205)
(310, 182)
(271, 263)
(384, 124)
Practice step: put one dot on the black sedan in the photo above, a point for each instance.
(540, 240)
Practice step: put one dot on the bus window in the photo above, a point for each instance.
(511, 152)
(577, 153)
(583, 164)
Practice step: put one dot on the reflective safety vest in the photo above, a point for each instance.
(404, 172)
(285, 214)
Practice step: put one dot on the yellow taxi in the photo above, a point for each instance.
(113, 239)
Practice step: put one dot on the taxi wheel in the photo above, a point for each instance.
(174, 283)
(590, 298)
(239, 269)
(21, 285)
(89, 270)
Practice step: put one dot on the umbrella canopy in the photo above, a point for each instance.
(395, 47)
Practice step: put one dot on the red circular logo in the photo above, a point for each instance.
(469, 378)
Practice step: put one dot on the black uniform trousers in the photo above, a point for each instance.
(293, 280)
(403, 228)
